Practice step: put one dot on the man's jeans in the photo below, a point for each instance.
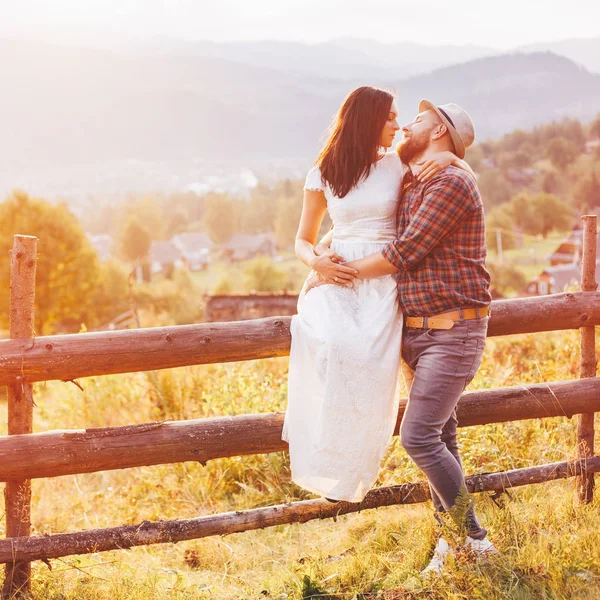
(441, 363)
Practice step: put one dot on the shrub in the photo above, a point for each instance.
(262, 275)
(506, 279)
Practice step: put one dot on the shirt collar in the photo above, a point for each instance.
(409, 178)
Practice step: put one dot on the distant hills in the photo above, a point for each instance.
(342, 58)
(506, 92)
(345, 58)
(585, 52)
(68, 108)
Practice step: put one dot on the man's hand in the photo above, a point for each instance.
(312, 281)
(331, 271)
(322, 249)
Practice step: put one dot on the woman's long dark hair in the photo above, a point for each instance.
(355, 140)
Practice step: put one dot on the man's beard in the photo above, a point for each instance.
(410, 148)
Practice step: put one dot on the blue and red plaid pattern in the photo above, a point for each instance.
(440, 251)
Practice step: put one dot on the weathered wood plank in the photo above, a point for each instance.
(159, 532)
(17, 493)
(55, 453)
(585, 426)
(68, 357)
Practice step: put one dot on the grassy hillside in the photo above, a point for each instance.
(550, 547)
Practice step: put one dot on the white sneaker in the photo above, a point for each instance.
(481, 548)
(436, 564)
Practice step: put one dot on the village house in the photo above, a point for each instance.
(554, 279)
(557, 279)
(564, 272)
(194, 249)
(245, 247)
(592, 146)
(164, 257)
(569, 251)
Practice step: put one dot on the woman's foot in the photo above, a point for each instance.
(332, 500)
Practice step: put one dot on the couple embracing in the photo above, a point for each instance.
(400, 279)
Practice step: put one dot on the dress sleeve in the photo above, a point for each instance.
(313, 180)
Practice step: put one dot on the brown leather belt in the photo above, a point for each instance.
(446, 320)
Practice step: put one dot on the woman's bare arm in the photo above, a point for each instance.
(313, 211)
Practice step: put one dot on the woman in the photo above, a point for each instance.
(345, 353)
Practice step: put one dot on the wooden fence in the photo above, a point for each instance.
(24, 455)
(241, 307)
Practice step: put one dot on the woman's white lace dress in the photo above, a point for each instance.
(345, 353)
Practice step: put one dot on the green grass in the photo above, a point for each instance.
(533, 258)
(550, 546)
(535, 249)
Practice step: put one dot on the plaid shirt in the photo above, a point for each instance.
(440, 251)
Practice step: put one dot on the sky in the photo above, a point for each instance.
(502, 24)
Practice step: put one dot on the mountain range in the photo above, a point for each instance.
(340, 58)
(585, 52)
(96, 114)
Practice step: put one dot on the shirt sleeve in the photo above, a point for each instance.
(447, 202)
(313, 180)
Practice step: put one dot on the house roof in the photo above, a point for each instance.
(573, 241)
(564, 276)
(577, 236)
(192, 242)
(164, 253)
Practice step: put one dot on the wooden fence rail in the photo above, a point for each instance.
(67, 357)
(55, 453)
(159, 532)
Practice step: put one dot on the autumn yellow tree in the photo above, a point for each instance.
(221, 217)
(147, 212)
(586, 192)
(562, 152)
(134, 242)
(68, 270)
(286, 221)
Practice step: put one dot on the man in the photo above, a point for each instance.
(443, 289)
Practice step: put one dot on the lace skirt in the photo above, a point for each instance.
(342, 386)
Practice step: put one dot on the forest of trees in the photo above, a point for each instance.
(533, 182)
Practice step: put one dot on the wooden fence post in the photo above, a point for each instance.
(17, 494)
(585, 426)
